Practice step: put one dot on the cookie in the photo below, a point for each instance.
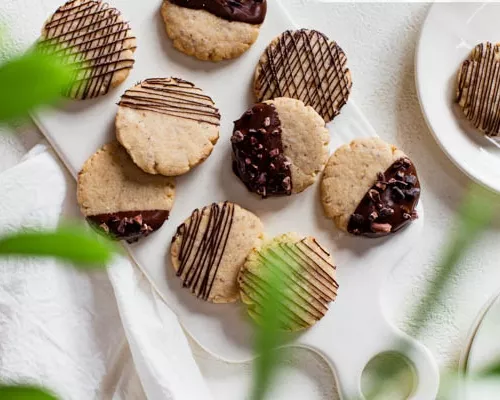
(213, 30)
(168, 125)
(93, 38)
(305, 65)
(118, 198)
(279, 147)
(370, 188)
(210, 247)
(307, 272)
(478, 88)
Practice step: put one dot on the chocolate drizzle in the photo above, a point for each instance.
(308, 273)
(203, 246)
(305, 65)
(129, 225)
(478, 88)
(248, 11)
(389, 204)
(91, 37)
(172, 96)
(258, 157)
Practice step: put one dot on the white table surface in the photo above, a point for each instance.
(379, 40)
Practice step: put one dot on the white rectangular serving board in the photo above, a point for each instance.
(355, 328)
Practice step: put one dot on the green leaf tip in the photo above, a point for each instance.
(24, 392)
(68, 243)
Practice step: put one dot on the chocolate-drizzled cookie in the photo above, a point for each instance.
(370, 188)
(279, 147)
(210, 247)
(305, 65)
(95, 41)
(306, 271)
(119, 199)
(167, 125)
(478, 88)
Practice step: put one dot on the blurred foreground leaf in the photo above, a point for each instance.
(24, 393)
(31, 80)
(268, 337)
(474, 215)
(70, 243)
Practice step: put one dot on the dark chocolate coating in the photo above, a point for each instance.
(248, 11)
(129, 225)
(390, 203)
(258, 158)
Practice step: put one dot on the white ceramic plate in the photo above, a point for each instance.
(355, 329)
(448, 35)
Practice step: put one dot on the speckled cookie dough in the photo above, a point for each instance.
(215, 30)
(97, 43)
(279, 147)
(370, 188)
(210, 247)
(119, 198)
(306, 271)
(167, 125)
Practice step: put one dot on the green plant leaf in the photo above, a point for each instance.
(268, 337)
(23, 392)
(29, 81)
(68, 243)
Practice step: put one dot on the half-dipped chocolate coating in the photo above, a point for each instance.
(248, 11)
(129, 225)
(258, 158)
(390, 203)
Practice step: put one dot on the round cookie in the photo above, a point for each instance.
(213, 30)
(478, 83)
(370, 188)
(167, 125)
(210, 247)
(306, 271)
(93, 37)
(304, 64)
(120, 199)
(279, 147)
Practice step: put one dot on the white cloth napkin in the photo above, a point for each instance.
(83, 335)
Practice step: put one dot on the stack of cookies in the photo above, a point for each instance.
(166, 126)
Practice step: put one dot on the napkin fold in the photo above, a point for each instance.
(82, 335)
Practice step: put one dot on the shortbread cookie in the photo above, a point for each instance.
(120, 199)
(168, 126)
(210, 247)
(305, 65)
(478, 84)
(93, 38)
(370, 188)
(306, 271)
(279, 147)
(213, 30)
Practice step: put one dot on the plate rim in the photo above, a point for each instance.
(418, 85)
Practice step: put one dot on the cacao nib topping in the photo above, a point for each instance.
(258, 158)
(248, 11)
(129, 225)
(389, 204)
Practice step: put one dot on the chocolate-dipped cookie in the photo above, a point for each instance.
(370, 188)
(167, 125)
(121, 200)
(210, 247)
(213, 29)
(306, 65)
(279, 147)
(307, 272)
(94, 39)
(478, 88)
